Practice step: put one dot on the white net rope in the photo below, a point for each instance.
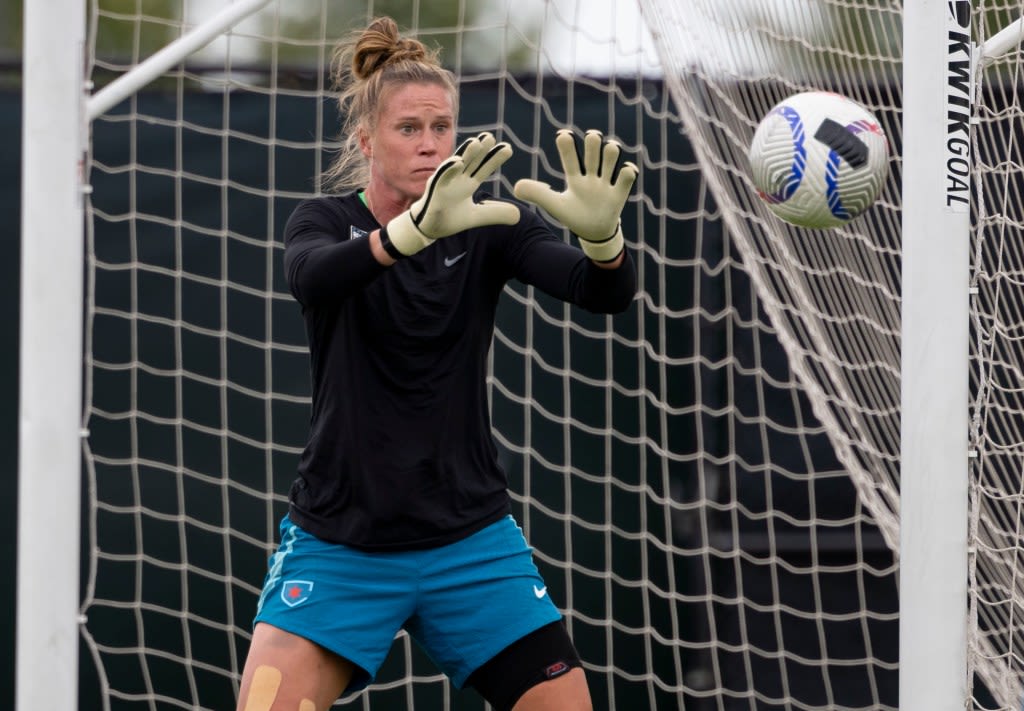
(835, 296)
(710, 480)
(997, 366)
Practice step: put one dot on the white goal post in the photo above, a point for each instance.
(934, 373)
(795, 447)
(56, 120)
(50, 391)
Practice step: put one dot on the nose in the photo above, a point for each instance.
(429, 143)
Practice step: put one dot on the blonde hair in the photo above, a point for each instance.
(364, 68)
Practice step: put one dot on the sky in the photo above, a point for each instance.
(607, 35)
(611, 36)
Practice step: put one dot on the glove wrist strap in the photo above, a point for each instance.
(607, 250)
(388, 246)
(405, 237)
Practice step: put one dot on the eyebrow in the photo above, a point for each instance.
(416, 117)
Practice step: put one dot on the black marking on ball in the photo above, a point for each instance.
(843, 141)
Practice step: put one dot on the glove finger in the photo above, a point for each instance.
(497, 212)
(486, 139)
(536, 192)
(491, 161)
(477, 151)
(566, 144)
(464, 146)
(610, 159)
(624, 182)
(628, 173)
(442, 177)
(474, 152)
(445, 174)
(592, 152)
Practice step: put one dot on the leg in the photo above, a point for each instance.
(540, 672)
(568, 692)
(485, 617)
(351, 603)
(285, 672)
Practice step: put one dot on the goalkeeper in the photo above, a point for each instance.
(400, 515)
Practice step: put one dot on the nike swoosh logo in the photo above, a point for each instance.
(449, 261)
(540, 592)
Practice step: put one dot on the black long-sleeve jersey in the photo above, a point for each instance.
(400, 453)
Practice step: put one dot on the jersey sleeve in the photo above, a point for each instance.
(540, 258)
(326, 257)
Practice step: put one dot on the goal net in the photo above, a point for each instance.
(710, 480)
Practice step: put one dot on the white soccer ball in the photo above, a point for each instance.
(819, 159)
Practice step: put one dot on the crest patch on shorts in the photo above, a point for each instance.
(296, 592)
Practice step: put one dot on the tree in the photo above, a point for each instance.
(128, 31)
(131, 30)
(11, 22)
(438, 23)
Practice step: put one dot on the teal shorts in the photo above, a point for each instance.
(462, 603)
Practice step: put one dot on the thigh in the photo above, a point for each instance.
(478, 596)
(566, 693)
(540, 671)
(346, 601)
(289, 673)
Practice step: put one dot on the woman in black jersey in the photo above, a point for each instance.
(400, 516)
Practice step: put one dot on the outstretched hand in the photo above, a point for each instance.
(446, 206)
(595, 192)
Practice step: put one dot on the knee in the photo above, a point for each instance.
(568, 692)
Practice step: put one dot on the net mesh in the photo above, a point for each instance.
(709, 480)
(835, 296)
(997, 359)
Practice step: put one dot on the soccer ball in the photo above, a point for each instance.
(819, 159)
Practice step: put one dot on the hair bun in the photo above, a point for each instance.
(380, 45)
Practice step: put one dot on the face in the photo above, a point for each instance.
(415, 131)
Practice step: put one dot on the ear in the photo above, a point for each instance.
(364, 142)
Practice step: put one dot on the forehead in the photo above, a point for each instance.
(416, 100)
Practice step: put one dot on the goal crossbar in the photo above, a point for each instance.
(192, 41)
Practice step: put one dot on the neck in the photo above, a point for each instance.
(385, 204)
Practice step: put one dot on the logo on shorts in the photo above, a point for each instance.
(540, 592)
(296, 592)
(356, 233)
(556, 669)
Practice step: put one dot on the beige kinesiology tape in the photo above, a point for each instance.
(266, 680)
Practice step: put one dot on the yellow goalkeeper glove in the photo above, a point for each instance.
(594, 193)
(446, 206)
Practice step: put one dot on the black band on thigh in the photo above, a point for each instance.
(543, 654)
